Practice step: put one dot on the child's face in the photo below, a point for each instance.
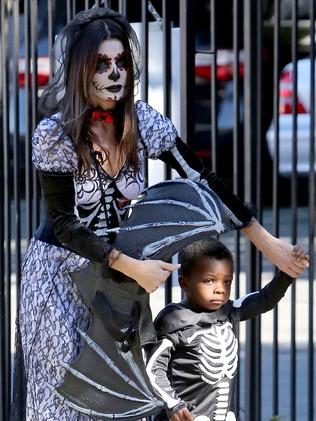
(208, 285)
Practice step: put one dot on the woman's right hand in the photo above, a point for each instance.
(149, 274)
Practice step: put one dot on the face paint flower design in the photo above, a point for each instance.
(109, 81)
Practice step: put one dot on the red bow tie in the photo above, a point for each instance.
(104, 116)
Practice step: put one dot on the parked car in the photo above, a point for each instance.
(286, 120)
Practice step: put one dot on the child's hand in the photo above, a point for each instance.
(182, 415)
(300, 256)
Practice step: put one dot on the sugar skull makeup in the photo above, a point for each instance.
(111, 71)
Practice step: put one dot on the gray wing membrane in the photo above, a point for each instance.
(169, 216)
(108, 378)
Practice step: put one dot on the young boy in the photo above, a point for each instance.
(193, 367)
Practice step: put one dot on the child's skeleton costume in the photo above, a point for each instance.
(195, 361)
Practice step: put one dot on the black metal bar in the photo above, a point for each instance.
(5, 302)
(68, 8)
(213, 46)
(144, 78)
(167, 62)
(4, 130)
(187, 50)
(16, 146)
(34, 78)
(74, 9)
(311, 223)
(2, 87)
(166, 31)
(275, 193)
(250, 145)
(167, 65)
(51, 6)
(236, 163)
(27, 118)
(258, 181)
(122, 7)
(294, 207)
(145, 45)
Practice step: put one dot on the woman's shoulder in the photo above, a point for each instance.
(52, 126)
(145, 111)
(52, 148)
(156, 131)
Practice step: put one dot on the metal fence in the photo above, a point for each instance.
(222, 78)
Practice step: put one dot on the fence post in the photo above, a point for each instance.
(252, 361)
(187, 61)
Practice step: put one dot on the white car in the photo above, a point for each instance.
(286, 120)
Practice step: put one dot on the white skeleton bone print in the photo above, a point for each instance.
(218, 354)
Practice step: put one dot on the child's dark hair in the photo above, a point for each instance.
(203, 248)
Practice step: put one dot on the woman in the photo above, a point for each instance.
(90, 151)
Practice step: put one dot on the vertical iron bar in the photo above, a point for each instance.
(122, 7)
(68, 8)
(250, 85)
(311, 221)
(144, 78)
(145, 45)
(34, 78)
(16, 146)
(7, 183)
(236, 163)
(27, 117)
(51, 6)
(275, 193)
(166, 33)
(2, 93)
(4, 193)
(294, 208)
(213, 48)
(167, 61)
(187, 61)
(258, 182)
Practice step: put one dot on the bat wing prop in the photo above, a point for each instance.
(169, 216)
(108, 379)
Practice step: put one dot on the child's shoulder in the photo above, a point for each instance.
(173, 317)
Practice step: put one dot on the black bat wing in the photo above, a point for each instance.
(108, 379)
(169, 216)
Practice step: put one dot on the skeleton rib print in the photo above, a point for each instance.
(218, 355)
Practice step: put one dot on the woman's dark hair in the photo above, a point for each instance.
(76, 50)
(212, 247)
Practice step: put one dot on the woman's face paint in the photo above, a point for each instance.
(109, 81)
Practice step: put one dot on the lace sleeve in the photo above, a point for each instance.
(157, 132)
(52, 149)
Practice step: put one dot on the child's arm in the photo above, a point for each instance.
(157, 370)
(255, 303)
